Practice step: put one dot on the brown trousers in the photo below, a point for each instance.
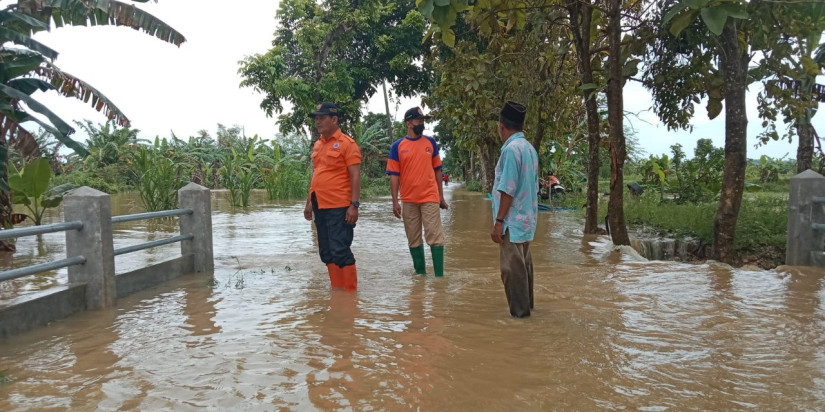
(427, 214)
(517, 275)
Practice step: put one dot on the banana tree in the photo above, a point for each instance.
(27, 66)
(31, 188)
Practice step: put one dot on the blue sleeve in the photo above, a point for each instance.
(435, 146)
(394, 150)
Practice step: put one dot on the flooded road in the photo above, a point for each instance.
(266, 333)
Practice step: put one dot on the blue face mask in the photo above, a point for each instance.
(418, 129)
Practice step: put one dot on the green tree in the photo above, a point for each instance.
(708, 55)
(337, 51)
(584, 26)
(794, 56)
(107, 143)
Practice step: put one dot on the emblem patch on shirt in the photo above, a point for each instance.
(335, 146)
(429, 150)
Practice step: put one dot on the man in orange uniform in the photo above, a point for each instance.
(333, 196)
(414, 166)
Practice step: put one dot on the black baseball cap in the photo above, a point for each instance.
(414, 113)
(325, 108)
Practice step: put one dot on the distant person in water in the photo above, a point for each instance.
(414, 166)
(515, 208)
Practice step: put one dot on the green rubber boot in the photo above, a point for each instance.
(438, 260)
(418, 259)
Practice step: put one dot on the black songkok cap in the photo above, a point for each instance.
(513, 112)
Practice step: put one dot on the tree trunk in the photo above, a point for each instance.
(488, 154)
(581, 35)
(6, 208)
(539, 135)
(805, 151)
(387, 109)
(734, 62)
(615, 117)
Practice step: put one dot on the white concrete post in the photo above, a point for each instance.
(199, 223)
(94, 242)
(805, 242)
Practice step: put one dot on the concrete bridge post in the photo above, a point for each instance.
(806, 220)
(199, 224)
(94, 242)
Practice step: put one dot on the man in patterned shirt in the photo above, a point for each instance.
(515, 206)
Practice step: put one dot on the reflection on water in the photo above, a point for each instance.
(266, 333)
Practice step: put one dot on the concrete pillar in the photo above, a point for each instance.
(94, 242)
(196, 197)
(803, 240)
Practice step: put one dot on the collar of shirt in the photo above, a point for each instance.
(337, 135)
(514, 136)
(413, 138)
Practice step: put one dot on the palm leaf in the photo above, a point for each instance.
(102, 13)
(60, 129)
(8, 35)
(70, 86)
(36, 106)
(18, 62)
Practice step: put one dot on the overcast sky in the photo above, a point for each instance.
(165, 89)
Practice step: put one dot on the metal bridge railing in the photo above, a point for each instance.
(79, 260)
(90, 257)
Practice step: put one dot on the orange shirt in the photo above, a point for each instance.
(330, 178)
(415, 161)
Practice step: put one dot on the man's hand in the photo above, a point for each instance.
(396, 209)
(308, 212)
(496, 233)
(443, 204)
(352, 215)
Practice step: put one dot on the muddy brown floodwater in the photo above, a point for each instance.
(264, 332)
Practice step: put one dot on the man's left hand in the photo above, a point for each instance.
(443, 204)
(352, 215)
(496, 233)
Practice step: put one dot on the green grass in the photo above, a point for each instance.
(375, 187)
(763, 218)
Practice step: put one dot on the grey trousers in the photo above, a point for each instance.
(517, 275)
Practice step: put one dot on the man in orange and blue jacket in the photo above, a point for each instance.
(414, 166)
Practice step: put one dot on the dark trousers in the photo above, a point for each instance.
(517, 275)
(334, 235)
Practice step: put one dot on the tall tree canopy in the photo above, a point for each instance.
(337, 51)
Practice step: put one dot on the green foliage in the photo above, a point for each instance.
(106, 179)
(374, 186)
(292, 181)
(475, 186)
(239, 174)
(30, 188)
(158, 176)
(654, 172)
(107, 143)
(792, 62)
(375, 144)
(700, 178)
(336, 51)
